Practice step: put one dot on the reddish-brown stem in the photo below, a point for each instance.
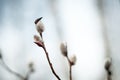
(50, 64)
(70, 68)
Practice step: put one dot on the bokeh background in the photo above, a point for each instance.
(86, 25)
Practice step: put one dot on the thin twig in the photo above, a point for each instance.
(70, 68)
(50, 64)
(28, 75)
(11, 71)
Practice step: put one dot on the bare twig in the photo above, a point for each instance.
(28, 75)
(11, 71)
(5, 66)
(50, 64)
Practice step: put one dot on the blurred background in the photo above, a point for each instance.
(90, 28)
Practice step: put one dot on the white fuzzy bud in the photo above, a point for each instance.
(108, 63)
(63, 48)
(38, 41)
(30, 65)
(39, 25)
(73, 59)
(36, 38)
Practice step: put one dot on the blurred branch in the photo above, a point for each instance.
(31, 69)
(53, 4)
(108, 62)
(70, 68)
(10, 70)
(28, 75)
(104, 27)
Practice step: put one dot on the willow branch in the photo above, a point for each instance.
(50, 64)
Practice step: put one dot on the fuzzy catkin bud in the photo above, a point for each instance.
(108, 63)
(0, 55)
(36, 38)
(73, 59)
(63, 48)
(30, 65)
(38, 41)
(39, 25)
